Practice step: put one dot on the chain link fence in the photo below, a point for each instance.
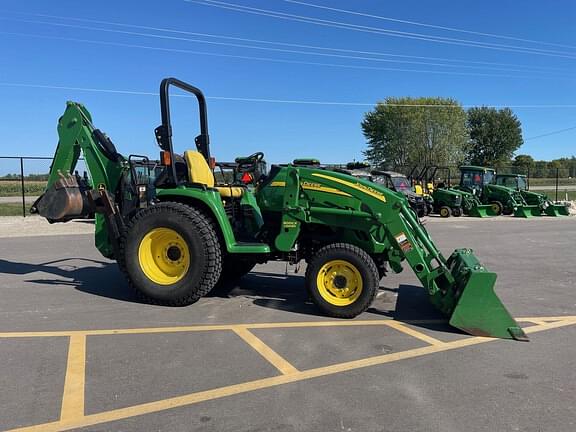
(22, 181)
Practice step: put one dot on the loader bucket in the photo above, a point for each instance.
(482, 211)
(527, 211)
(556, 210)
(478, 310)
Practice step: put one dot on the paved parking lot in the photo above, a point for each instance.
(79, 352)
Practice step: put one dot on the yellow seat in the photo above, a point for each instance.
(230, 191)
(199, 172)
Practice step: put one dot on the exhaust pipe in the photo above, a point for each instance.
(63, 201)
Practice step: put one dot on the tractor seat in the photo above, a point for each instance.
(199, 172)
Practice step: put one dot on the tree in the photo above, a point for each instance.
(409, 131)
(524, 162)
(494, 135)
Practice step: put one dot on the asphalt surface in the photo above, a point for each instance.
(60, 283)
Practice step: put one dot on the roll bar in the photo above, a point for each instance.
(164, 131)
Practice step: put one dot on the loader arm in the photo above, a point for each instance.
(459, 286)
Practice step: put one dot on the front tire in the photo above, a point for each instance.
(456, 212)
(497, 207)
(445, 211)
(342, 280)
(171, 254)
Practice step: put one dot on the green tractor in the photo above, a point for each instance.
(174, 231)
(480, 181)
(449, 201)
(439, 199)
(519, 182)
(399, 183)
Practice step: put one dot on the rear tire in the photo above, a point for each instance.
(508, 210)
(171, 254)
(342, 280)
(445, 211)
(457, 212)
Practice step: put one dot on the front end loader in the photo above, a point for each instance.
(519, 183)
(176, 232)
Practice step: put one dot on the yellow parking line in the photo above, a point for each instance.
(548, 318)
(73, 399)
(265, 351)
(194, 328)
(218, 327)
(411, 332)
(193, 398)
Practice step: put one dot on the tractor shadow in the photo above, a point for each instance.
(270, 290)
(99, 278)
(407, 303)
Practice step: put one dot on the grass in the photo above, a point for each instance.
(10, 188)
(534, 182)
(561, 194)
(12, 209)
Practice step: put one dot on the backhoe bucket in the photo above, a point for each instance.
(556, 210)
(527, 211)
(478, 310)
(482, 211)
(63, 201)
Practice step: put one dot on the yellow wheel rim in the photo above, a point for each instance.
(164, 256)
(339, 282)
(495, 208)
(443, 212)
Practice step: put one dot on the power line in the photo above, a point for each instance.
(434, 26)
(267, 59)
(282, 50)
(381, 31)
(278, 101)
(277, 43)
(559, 131)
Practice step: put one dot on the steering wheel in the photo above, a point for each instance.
(256, 157)
(250, 161)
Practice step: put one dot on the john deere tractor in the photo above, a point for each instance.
(480, 181)
(470, 204)
(174, 230)
(399, 183)
(519, 183)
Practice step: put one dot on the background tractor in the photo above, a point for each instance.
(519, 183)
(174, 230)
(400, 183)
(440, 178)
(480, 181)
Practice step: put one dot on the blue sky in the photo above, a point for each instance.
(53, 51)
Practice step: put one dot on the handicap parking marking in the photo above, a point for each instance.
(72, 408)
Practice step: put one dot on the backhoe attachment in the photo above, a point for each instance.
(63, 201)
